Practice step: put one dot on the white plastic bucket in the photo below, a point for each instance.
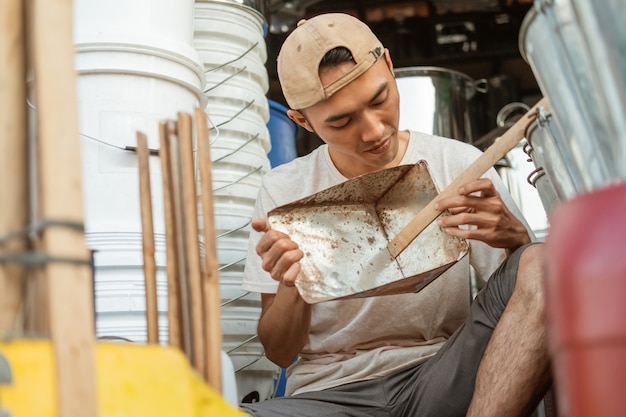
(255, 374)
(154, 21)
(232, 59)
(239, 24)
(231, 172)
(237, 130)
(232, 214)
(230, 40)
(120, 296)
(240, 91)
(255, 384)
(226, 188)
(123, 89)
(241, 78)
(229, 383)
(231, 291)
(232, 250)
(234, 118)
(227, 108)
(234, 149)
(253, 70)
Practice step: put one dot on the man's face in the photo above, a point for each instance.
(360, 121)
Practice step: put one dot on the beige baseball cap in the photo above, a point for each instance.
(304, 48)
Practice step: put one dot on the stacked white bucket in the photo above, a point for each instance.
(136, 66)
(230, 38)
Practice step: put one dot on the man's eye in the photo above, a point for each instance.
(380, 100)
(340, 123)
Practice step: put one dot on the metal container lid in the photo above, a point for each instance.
(439, 72)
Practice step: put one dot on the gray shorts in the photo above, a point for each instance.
(441, 386)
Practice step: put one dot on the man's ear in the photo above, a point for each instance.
(299, 118)
(388, 60)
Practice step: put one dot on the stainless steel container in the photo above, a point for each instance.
(437, 101)
(556, 47)
(543, 148)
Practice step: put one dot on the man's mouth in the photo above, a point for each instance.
(382, 147)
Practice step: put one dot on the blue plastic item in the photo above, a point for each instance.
(283, 133)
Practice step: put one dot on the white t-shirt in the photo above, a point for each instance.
(359, 339)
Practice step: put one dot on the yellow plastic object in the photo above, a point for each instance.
(131, 380)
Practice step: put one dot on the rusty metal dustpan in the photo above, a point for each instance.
(344, 232)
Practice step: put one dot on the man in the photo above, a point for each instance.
(424, 354)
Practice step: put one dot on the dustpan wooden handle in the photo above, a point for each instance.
(485, 161)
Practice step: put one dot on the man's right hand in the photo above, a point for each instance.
(285, 317)
(280, 256)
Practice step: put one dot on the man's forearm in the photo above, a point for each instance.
(284, 326)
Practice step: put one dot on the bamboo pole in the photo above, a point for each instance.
(174, 313)
(210, 280)
(179, 239)
(13, 160)
(185, 136)
(68, 269)
(147, 237)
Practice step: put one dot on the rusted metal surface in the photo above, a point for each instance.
(344, 231)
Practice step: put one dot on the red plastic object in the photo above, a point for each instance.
(586, 303)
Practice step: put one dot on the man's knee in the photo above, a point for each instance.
(531, 274)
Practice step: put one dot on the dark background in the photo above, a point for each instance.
(479, 38)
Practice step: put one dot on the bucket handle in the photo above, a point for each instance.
(481, 85)
(534, 176)
(508, 110)
(239, 71)
(232, 60)
(214, 126)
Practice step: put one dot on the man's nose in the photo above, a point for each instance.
(372, 127)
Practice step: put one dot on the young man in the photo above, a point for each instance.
(424, 354)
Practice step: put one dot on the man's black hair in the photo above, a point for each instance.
(336, 56)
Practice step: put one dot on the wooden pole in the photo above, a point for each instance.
(210, 280)
(147, 237)
(13, 160)
(61, 205)
(174, 313)
(185, 136)
(177, 198)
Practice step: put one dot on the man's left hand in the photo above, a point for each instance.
(479, 208)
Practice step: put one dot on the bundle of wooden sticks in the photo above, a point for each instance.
(193, 304)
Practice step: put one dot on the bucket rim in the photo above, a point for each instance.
(429, 70)
(246, 5)
(194, 66)
(187, 56)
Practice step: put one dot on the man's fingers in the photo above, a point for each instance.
(484, 186)
(457, 203)
(274, 243)
(458, 210)
(260, 225)
(286, 267)
(289, 277)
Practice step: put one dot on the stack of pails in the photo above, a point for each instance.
(136, 66)
(230, 38)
